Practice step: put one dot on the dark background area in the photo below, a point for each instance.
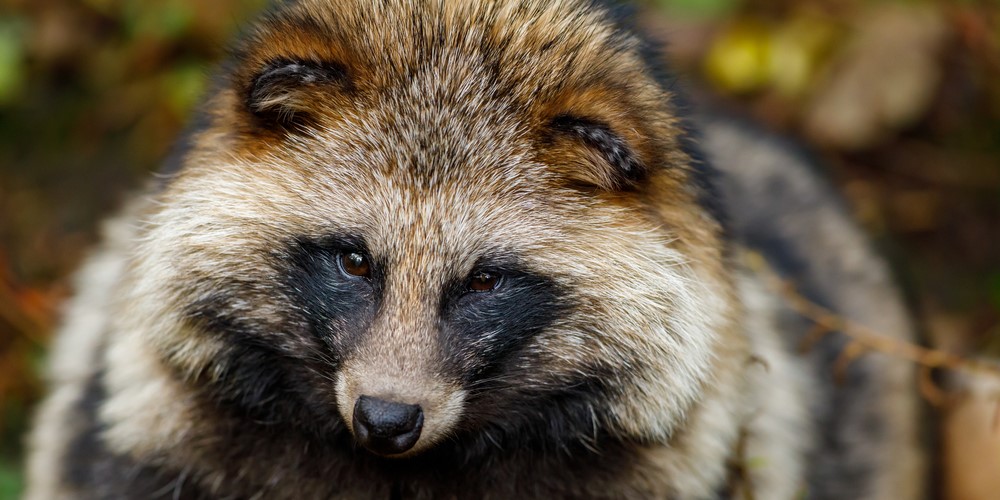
(901, 99)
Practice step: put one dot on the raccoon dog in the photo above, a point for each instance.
(469, 249)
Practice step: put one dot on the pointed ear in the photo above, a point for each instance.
(593, 153)
(284, 91)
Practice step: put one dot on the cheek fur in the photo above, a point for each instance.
(285, 332)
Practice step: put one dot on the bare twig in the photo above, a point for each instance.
(863, 339)
(930, 390)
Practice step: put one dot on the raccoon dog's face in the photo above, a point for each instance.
(428, 224)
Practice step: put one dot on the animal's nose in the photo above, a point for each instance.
(386, 427)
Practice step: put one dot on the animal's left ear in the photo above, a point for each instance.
(607, 160)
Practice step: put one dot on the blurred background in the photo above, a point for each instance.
(900, 98)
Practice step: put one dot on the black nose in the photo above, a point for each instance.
(385, 427)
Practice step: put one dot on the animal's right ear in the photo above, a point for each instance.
(284, 91)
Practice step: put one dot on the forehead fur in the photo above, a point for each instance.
(383, 43)
(443, 74)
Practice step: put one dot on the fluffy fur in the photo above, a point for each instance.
(216, 349)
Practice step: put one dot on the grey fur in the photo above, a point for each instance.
(779, 205)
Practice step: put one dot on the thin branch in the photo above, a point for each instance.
(862, 337)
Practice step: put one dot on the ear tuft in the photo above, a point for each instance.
(625, 167)
(281, 91)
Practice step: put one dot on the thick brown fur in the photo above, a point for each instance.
(214, 351)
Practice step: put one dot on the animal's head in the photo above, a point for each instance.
(429, 221)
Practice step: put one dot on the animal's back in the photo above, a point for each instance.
(780, 205)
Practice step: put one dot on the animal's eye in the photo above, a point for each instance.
(483, 281)
(355, 264)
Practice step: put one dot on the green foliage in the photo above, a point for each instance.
(698, 8)
(12, 71)
(995, 286)
(10, 481)
(184, 86)
(164, 20)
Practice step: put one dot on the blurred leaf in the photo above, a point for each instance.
(164, 19)
(884, 80)
(177, 16)
(184, 85)
(12, 70)
(10, 481)
(750, 55)
(798, 48)
(699, 8)
(737, 62)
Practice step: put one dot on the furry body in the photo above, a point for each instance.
(217, 349)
